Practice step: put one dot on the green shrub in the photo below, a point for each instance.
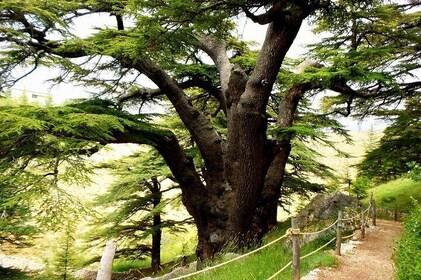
(360, 187)
(409, 252)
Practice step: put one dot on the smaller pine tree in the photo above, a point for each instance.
(64, 260)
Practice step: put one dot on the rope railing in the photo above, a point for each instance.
(348, 236)
(320, 231)
(279, 271)
(350, 219)
(294, 232)
(368, 209)
(356, 216)
(318, 249)
(232, 260)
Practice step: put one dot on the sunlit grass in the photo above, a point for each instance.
(397, 193)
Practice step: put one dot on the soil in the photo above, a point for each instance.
(371, 259)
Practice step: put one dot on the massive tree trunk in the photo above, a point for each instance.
(237, 199)
(238, 203)
(233, 196)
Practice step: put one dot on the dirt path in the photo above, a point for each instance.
(370, 260)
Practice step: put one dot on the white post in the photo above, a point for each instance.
(106, 264)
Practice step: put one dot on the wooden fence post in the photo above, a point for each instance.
(396, 216)
(338, 234)
(106, 264)
(373, 209)
(362, 225)
(374, 213)
(295, 236)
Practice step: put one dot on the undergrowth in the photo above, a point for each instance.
(408, 256)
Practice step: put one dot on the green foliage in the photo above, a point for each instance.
(246, 58)
(43, 149)
(303, 166)
(408, 256)
(360, 187)
(14, 226)
(400, 146)
(163, 32)
(38, 145)
(415, 171)
(373, 47)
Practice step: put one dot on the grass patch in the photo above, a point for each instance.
(121, 265)
(408, 256)
(396, 193)
(267, 262)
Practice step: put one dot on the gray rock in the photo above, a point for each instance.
(322, 211)
(20, 263)
(325, 207)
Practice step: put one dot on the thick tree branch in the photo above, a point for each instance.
(341, 87)
(390, 96)
(181, 165)
(278, 151)
(217, 50)
(199, 126)
(279, 37)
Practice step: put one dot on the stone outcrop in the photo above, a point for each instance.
(323, 211)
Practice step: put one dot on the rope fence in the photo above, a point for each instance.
(320, 231)
(349, 236)
(232, 260)
(318, 249)
(279, 271)
(294, 233)
(356, 216)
